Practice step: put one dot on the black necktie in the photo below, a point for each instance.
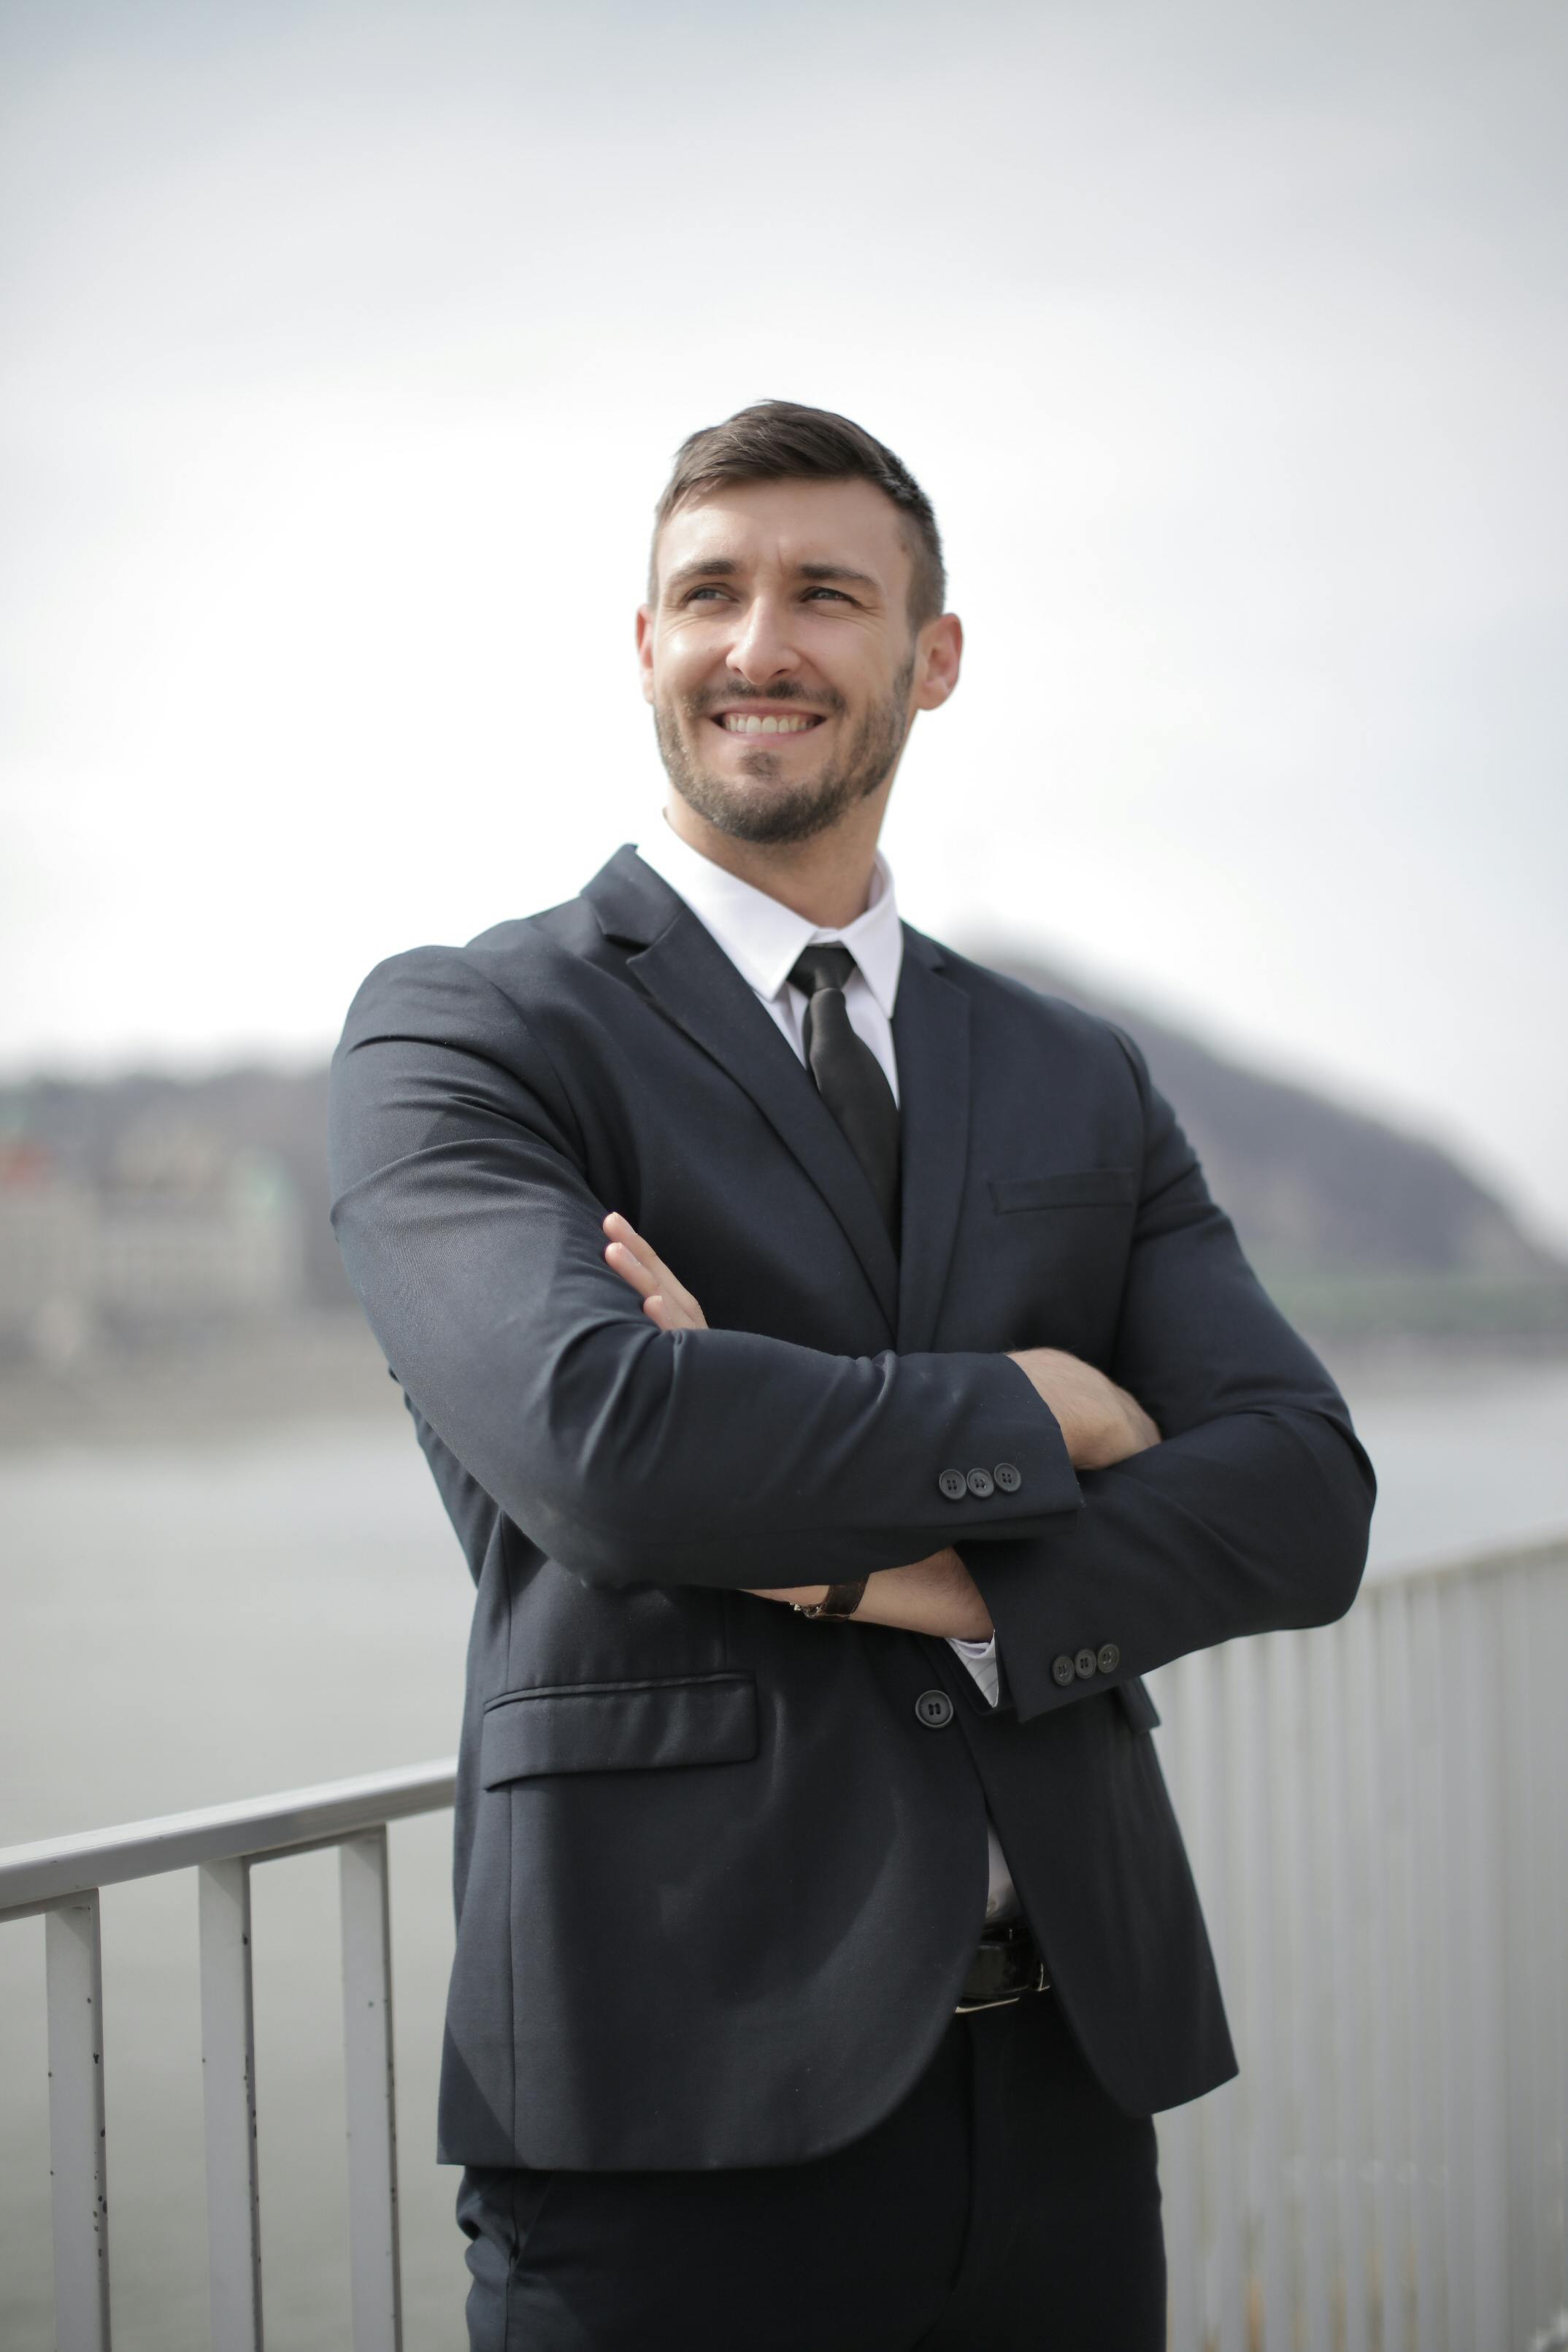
(849, 1078)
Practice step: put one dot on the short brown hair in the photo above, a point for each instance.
(780, 441)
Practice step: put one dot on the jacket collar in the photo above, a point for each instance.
(682, 968)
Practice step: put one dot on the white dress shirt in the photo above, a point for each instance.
(762, 939)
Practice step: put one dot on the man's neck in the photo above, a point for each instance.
(827, 880)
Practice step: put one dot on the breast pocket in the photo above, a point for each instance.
(1078, 1188)
(621, 1727)
(1055, 1247)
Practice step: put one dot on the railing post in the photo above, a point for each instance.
(372, 2112)
(74, 1962)
(1182, 2130)
(229, 2072)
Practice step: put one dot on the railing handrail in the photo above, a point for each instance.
(50, 1870)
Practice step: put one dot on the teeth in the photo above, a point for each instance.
(740, 723)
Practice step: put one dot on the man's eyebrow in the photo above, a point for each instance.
(701, 567)
(725, 567)
(842, 572)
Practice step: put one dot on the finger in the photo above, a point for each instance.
(621, 1230)
(622, 1261)
(628, 1238)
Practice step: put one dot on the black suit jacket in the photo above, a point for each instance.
(718, 1881)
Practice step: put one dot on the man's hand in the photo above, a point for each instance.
(1099, 1422)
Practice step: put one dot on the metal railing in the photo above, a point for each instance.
(61, 1877)
(1377, 1813)
(1378, 1818)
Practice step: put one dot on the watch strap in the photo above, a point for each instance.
(838, 1600)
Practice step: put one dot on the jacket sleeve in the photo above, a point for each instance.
(471, 1234)
(1252, 1513)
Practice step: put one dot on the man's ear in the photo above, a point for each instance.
(937, 660)
(644, 650)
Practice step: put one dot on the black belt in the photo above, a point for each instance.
(1007, 1965)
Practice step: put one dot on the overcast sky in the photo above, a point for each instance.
(344, 349)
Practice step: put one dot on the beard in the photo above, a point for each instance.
(756, 805)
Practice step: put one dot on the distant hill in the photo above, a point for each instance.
(1354, 1224)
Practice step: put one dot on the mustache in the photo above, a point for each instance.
(828, 703)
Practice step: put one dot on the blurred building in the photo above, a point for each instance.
(180, 1232)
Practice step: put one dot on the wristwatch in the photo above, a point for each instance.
(838, 1600)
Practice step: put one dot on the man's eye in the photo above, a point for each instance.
(836, 594)
(694, 594)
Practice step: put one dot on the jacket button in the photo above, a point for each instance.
(934, 1709)
(954, 1485)
(1008, 1476)
(1110, 1657)
(1085, 1664)
(1061, 1671)
(980, 1481)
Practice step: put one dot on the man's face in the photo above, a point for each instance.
(778, 655)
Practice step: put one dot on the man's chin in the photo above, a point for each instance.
(758, 806)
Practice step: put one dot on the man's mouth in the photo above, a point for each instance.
(751, 723)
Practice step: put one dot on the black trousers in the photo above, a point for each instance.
(1006, 2206)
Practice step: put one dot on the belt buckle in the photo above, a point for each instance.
(1038, 1982)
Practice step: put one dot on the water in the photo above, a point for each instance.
(187, 1624)
(186, 1627)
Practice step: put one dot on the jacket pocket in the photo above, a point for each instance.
(1082, 1188)
(630, 1727)
(1141, 1711)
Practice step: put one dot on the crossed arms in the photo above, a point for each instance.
(1099, 1422)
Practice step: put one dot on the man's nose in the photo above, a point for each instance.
(760, 649)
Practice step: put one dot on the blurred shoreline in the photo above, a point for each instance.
(322, 1369)
(319, 1367)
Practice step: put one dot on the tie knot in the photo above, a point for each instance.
(821, 966)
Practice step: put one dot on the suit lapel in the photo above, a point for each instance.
(930, 1035)
(690, 978)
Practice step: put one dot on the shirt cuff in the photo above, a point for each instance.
(980, 1657)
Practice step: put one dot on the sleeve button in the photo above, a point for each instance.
(980, 1483)
(1008, 1477)
(1062, 1670)
(954, 1485)
(1085, 1663)
(1110, 1657)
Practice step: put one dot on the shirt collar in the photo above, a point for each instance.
(760, 937)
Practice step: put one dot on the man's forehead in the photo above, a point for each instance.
(799, 525)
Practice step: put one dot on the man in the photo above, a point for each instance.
(843, 1388)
